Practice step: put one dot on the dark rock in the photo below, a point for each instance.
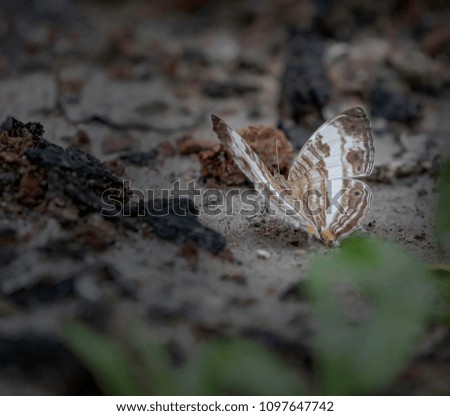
(140, 158)
(174, 219)
(394, 106)
(305, 87)
(73, 159)
(226, 89)
(15, 128)
(83, 178)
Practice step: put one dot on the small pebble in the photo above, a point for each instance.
(262, 254)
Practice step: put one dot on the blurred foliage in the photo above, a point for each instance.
(441, 273)
(370, 300)
(236, 366)
(443, 208)
(103, 357)
(140, 366)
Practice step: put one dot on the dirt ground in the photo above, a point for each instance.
(126, 82)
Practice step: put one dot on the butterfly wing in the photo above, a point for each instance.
(341, 147)
(337, 207)
(322, 175)
(255, 170)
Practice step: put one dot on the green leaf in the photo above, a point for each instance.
(143, 366)
(151, 363)
(226, 366)
(235, 366)
(103, 358)
(441, 274)
(371, 300)
(443, 208)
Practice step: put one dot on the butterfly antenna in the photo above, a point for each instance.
(321, 114)
(278, 160)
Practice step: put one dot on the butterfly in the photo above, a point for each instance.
(321, 195)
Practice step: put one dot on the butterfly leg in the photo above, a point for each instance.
(262, 199)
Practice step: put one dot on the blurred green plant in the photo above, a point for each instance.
(103, 357)
(140, 366)
(236, 366)
(370, 300)
(442, 224)
(441, 272)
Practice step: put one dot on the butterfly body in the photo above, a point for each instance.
(322, 195)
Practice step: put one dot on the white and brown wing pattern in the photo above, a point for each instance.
(254, 169)
(322, 195)
(342, 147)
(322, 175)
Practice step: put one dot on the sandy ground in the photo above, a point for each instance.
(134, 87)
